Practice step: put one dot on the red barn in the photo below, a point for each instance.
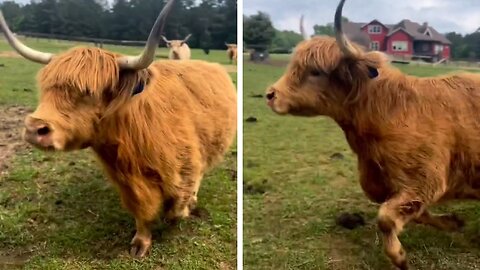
(405, 39)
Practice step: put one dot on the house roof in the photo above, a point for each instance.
(376, 22)
(354, 32)
(418, 31)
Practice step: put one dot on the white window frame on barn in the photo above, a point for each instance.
(374, 46)
(374, 29)
(400, 46)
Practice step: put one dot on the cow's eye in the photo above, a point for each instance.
(315, 73)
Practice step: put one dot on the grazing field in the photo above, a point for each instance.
(300, 175)
(58, 211)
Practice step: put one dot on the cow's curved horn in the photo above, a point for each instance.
(146, 57)
(302, 29)
(342, 41)
(165, 39)
(28, 53)
(186, 38)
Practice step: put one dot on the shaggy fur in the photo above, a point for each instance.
(179, 50)
(155, 146)
(232, 52)
(417, 139)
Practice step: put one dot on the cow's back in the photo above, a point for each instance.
(195, 107)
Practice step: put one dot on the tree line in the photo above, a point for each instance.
(259, 32)
(211, 22)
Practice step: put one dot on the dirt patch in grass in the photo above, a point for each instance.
(11, 123)
(10, 54)
(230, 68)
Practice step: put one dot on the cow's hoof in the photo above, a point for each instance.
(139, 248)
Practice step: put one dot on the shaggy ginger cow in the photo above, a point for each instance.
(417, 139)
(156, 128)
(231, 52)
(179, 49)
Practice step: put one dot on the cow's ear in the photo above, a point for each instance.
(354, 75)
(126, 88)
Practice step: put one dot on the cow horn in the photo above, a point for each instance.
(302, 29)
(342, 40)
(186, 38)
(165, 39)
(146, 57)
(28, 53)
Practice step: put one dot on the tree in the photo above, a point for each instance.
(13, 14)
(211, 22)
(286, 39)
(323, 30)
(258, 30)
(326, 30)
(458, 48)
(472, 45)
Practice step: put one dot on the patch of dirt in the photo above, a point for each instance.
(201, 212)
(10, 54)
(251, 119)
(350, 221)
(230, 68)
(14, 260)
(336, 156)
(339, 253)
(11, 125)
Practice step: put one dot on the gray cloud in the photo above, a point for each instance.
(461, 16)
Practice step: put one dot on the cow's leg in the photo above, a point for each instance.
(449, 222)
(392, 216)
(185, 199)
(196, 187)
(143, 200)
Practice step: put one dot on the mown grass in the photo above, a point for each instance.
(58, 211)
(294, 191)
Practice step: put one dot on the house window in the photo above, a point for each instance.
(374, 29)
(438, 48)
(400, 46)
(374, 46)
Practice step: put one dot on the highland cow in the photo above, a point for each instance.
(417, 140)
(179, 49)
(231, 52)
(157, 128)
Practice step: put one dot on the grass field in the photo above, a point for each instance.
(57, 211)
(299, 175)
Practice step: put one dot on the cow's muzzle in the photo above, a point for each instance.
(38, 133)
(270, 96)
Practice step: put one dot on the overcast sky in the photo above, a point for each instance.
(461, 16)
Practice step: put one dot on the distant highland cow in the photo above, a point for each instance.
(179, 49)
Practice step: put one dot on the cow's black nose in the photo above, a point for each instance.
(42, 131)
(270, 95)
